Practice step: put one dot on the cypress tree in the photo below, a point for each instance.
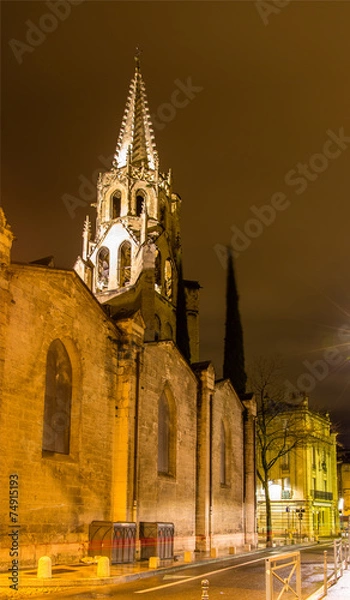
(234, 349)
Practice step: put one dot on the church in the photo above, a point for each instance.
(110, 425)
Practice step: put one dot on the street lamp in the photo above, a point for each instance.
(288, 524)
(340, 509)
(317, 524)
(300, 512)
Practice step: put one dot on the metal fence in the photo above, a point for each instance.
(341, 561)
(283, 576)
(283, 572)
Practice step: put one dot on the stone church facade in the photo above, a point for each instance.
(107, 415)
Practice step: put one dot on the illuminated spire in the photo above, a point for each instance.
(136, 134)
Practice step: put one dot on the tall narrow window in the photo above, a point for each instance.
(313, 457)
(223, 455)
(158, 272)
(116, 204)
(168, 279)
(102, 269)
(286, 462)
(166, 436)
(162, 213)
(286, 483)
(58, 398)
(140, 199)
(163, 435)
(168, 332)
(157, 328)
(124, 264)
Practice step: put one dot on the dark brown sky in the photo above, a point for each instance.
(274, 96)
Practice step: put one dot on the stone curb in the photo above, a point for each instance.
(54, 582)
(32, 581)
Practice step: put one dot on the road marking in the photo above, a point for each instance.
(165, 585)
(176, 577)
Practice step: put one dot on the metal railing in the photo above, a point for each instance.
(321, 495)
(285, 570)
(338, 559)
(341, 558)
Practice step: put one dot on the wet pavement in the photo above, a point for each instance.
(338, 591)
(77, 576)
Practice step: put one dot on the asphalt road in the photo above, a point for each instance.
(240, 578)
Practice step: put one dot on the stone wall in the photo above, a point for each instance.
(112, 471)
(168, 497)
(227, 495)
(59, 495)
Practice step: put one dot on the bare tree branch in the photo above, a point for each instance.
(277, 427)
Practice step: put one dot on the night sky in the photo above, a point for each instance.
(265, 123)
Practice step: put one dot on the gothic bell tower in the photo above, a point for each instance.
(133, 262)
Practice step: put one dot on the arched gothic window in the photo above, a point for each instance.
(162, 213)
(116, 204)
(157, 328)
(124, 264)
(223, 452)
(225, 455)
(140, 199)
(168, 279)
(102, 269)
(166, 436)
(158, 272)
(168, 331)
(58, 399)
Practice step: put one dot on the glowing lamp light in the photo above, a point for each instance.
(275, 491)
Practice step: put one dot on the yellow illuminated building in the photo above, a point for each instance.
(303, 483)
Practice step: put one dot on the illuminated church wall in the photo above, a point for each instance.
(57, 399)
(167, 473)
(106, 413)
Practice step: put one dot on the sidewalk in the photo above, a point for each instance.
(81, 575)
(339, 591)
